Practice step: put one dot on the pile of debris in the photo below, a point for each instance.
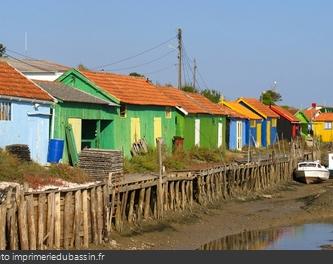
(22, 152)
(99, 163)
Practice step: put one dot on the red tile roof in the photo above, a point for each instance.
(258, 107)
(129, 89)
(15, 84)
(284, 113)
(324, 117)
(207, 104)
(183, 100)
(311, 113)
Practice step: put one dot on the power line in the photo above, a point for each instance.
(22, 61)
(145, 63)
(20, 54)
(134, 56)
(162, 69)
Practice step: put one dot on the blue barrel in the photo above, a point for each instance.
(56, 148)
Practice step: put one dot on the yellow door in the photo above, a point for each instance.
(268, 133)
(77, 131)
(135, 130)
(157, 128)
(258, 134)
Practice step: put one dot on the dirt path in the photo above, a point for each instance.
(291, 204)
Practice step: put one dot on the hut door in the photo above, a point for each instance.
(157, 128)
(197, 132)
(220, 135)
(239, 135)
(77, 131)
(259, 134)
(135, 130)
(268, 133)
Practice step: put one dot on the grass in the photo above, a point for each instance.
(179, 160)
(12, 169)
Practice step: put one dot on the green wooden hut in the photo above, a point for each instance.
(91, 120)
(304, 122)
(144, 112)
(199, 122)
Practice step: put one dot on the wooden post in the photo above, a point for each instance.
(41, 205)
(131, 207)
(99, 214)
(57, 221)
(183, 195)
(124, 206)
(3, 212)
(77, 220)
(85, 219)
(68, 219)
(140, 204)
(159, 142)
(147, 204)
(22, 221)
(31, 222)
(50, 219)
(172, 194)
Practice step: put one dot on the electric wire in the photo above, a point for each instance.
(134, 56)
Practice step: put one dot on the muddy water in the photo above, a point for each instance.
(304, 237)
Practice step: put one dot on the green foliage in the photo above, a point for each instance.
(12, 169)
(206, 155)
(2, 50)
(82, 67)
(135, 74)
(142, 163)
(189, 88)
(270, 97)
(212, 95)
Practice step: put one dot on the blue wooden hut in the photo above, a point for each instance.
(25, 113)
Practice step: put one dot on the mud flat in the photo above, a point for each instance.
(289, 204)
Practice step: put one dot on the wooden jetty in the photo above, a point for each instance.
(76, 217)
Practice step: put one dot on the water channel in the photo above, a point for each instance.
(303, 237)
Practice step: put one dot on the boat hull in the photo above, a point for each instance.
(311, 176)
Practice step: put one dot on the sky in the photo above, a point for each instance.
(241, 47)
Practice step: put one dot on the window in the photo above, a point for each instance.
(253, 123)
(168, 112)
(274, 122)
(5, 111)
(123, 110)
(328, 125)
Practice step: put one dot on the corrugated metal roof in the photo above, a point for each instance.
(242, 110)
(35, 66)
(70, 94)
(284, 113)
(15, 84)
(258, 106)
(129, 89)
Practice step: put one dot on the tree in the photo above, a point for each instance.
(212, 95)
(189, 88)
(82, 67)
(270, 97)
(135, 74)
(2, 50)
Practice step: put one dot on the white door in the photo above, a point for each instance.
(220, 135)
(239, 134)
(197, 132)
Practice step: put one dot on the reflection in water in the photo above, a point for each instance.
(248, 240)
(308, 237)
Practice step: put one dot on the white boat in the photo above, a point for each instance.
(311, 172)
(330, 164)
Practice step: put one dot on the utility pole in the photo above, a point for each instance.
(194, 73)
(180, 55)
